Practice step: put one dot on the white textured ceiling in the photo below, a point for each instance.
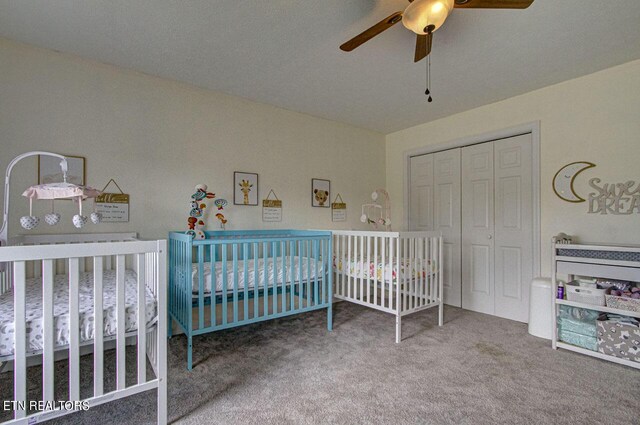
(285, 52)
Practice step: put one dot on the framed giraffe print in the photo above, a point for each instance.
(245, 188)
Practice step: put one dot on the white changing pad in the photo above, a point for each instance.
(309, 271)
(61, 310)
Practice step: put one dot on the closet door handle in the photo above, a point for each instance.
(489, 237)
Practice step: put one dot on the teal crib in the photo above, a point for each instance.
(234, 278)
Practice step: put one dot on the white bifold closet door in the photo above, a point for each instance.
(435, 205)
(497, 227)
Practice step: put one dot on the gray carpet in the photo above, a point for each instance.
(476, 369)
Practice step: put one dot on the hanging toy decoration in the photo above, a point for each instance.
(376, 214)
(221, 203)
(79, 220)
(95, 216)
(53, 217)
(29, 222)
(195, 223)
(52, 191)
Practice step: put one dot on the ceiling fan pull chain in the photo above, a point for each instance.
(427, 91)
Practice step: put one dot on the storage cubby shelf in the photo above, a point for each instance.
(599, 308)
(620, 262)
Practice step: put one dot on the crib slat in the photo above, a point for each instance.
(300, 283)
(350, 260)
(200, 286)
(245, 259)
(383, 294)
(406, 259)
(392, 283)
(369, 281)
(265, 284)
(308, 273)
(120, 323)
(431, 288)
(20, 331)
(48, 384)
(235, 281)
(337, 247)
(315, 264)
(98, 327)
(213, 273)
(325, 259)
(275, 278)
(292, 274)
(142, 321)
(283, 260)
(360, 247)
(225, 283)
(428, 268)
(423, 272)
(256, 282)
(74, 330)
(375, 270)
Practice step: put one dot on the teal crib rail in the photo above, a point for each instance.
(234, 278)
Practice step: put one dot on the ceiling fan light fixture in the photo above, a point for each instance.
(421, 14)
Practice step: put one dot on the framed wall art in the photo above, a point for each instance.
(245, 188)
(49, 170)
(320, 193)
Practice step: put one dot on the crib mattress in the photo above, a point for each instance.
(408, 269)
(292, 268)
(61, 310)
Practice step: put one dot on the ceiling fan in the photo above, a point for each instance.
(424, 17)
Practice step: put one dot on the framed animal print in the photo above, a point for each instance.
(245, 188)
(49, 170)
(320, 193)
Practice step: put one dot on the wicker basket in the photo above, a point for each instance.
(623, 303)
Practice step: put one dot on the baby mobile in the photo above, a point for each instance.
(376, 214)
(62, 190)
(195, 220)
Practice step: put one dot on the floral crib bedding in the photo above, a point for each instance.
(409, 268)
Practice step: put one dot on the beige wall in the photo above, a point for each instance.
(158, 139)
(593, 118)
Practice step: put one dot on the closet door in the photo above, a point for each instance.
(421, 193)
(513, 227)
(478, 228)
(446, 203)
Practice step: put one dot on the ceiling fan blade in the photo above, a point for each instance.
(423, 46)
(368, 34)
(493, 4)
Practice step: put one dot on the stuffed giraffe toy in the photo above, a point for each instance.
(245, 187)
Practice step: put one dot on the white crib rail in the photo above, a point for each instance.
(149, 261)
(385, 287)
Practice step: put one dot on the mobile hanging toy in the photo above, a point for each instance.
(196, 219)
(376, 214)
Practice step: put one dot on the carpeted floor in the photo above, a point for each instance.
(476, 369)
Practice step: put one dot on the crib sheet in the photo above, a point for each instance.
(61, 310)
(409, 269)
(309, 271)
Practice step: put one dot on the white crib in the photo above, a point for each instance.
(395, 272)
(111, 279)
